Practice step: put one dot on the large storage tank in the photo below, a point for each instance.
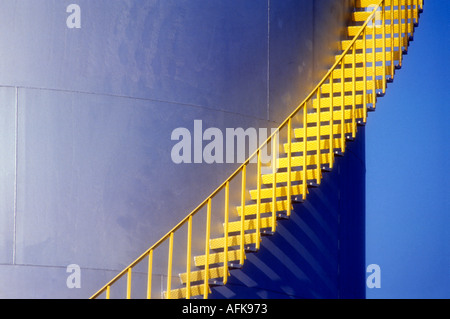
(87, 112)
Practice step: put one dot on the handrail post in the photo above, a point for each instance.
(108, 292)
(258, 203)
(305, 150)
(208, 233)
(129, 283)
(318, 135)
(392, 40)
(225, 263)
(149, 275)
(365, 75)
(331, 146)
(343, 107)
(289, 170)
(384, 47)
(374, 63)
(169, 266)
(354, 91)
(274, 184)
(242, 249)
(188, 259)
(399, 32)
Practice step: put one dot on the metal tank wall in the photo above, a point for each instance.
(86, 115)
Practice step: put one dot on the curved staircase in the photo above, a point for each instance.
(377, 39)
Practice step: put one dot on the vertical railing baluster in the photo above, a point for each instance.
(169, 267)
(354, 91)
(242, 249)
(343, 106)
(365, 75)
(374, 63)
(108, 292)
(331, 146)
(399, 33)
(318, 135)
(129, 283)
(208, 234)
(384, 47)
(274, 183)
(149, 275)
(305, 150)
(392, 12)
(188, 259)
(225, 262)
(258, 202)
(289, 168)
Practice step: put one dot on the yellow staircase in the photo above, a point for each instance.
(378, 37)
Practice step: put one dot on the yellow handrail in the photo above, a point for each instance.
(242, 169)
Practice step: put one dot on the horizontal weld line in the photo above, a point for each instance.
(134, 98)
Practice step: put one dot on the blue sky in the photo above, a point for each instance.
(407, 160)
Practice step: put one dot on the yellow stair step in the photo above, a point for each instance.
(369, 43)
(297, 161)
(379, 56)
(348, 87)
(180, 293)
(215, 258)
(325, 130)
(325, 102)
(370, 3)
(360, 71)
(325, 116)
(251, 209)
(295, 176)
(280, 192)
(198, 275)
(233, 241)
(312, 145)
(362, 16)
(405, 28)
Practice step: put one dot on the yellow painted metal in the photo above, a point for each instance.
(331, 134)
(399, 38)
(188, 259)
(370, 3)
(384, 47)
(298, 161)
(199, 275)
(169, 266)
(233, 241)
(342, 97)
(354, 30)
(232, 255)
(347, 65)
(305, 150)
(281, 205)
(374, 70)
(359, 57)
(281, 191)
(243, 212)
(225, 263)
(196, 290)
(207, 255)
(318, 138)
(274, 182)
(129, 283)
(354, 94)
(289, 153)
(108, 292)
(149, 274)
(365, 74)
(258, 203)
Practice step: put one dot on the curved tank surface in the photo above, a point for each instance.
(89, 98)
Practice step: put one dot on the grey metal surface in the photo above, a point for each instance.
(87, 114)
